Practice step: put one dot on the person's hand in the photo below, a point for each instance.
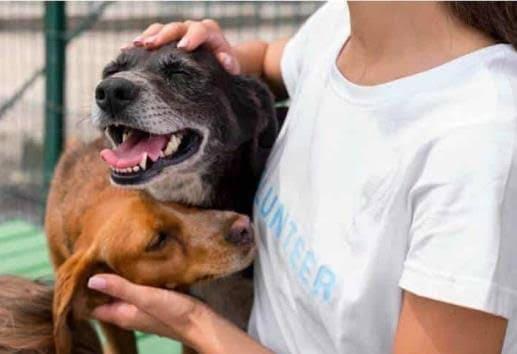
(162, 312)
(190, 35)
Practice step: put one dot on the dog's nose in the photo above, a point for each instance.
(241, 233)
(114, 94)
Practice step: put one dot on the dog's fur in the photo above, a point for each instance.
(238, 123)
(26, 320)
(234, 114)
(85, 216)
(94, 227)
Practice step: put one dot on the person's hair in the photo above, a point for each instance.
(497, 19)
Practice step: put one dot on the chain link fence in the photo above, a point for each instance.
(96, 31)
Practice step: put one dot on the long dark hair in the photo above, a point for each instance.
(498, 19)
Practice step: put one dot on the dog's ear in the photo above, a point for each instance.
(70, 285)
(254, 105)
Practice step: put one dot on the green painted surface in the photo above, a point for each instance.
(23, 252)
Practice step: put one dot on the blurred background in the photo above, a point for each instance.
(52, 57)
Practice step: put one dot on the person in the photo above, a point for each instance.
(385, 214)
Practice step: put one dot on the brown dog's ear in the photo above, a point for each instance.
(254, 107)
(70, 284)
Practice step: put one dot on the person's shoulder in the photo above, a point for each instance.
(485, 150)
(329, 22)
(481, 101)
(498, 77)
(314, 43)
(333, 11)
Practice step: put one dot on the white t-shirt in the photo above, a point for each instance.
(371, 190)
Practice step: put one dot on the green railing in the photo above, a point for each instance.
(55, 45)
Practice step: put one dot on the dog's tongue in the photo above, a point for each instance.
(131, 151)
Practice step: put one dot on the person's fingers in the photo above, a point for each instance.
(128, 316)
(117, 287)
(149, 32)
(168, 306)
(196, 35)
(216, 40)
(229, 62)
(211, 24)
(190, 35)
(220, 46)
(169, 33)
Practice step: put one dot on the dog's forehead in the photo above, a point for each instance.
(142, 57)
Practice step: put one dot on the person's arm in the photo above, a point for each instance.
(255, 57)
(170, 314)
(263, 59)
(433, 327)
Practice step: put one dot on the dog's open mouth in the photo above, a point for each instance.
(138, 156)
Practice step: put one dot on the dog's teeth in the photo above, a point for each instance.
(110, 139)
(172, 146)
(143, 163)
(136, 168)
(162, 154)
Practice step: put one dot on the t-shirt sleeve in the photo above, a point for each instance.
(463, 236)
(304, 44)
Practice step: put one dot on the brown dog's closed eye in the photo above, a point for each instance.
(158, 241)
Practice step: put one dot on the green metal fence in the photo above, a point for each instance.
(52, 56)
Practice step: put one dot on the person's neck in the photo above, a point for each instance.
(390, 40)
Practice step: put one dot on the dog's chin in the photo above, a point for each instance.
(240, 263)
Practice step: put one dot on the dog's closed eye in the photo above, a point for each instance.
(158, 242)
(170, 65)
(123, 62)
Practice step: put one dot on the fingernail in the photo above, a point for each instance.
(227, 61)
(149, 40)
(138, 40)
(97, 283)
(183, 43)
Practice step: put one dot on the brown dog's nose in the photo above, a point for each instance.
(241, 233)
(114, 94)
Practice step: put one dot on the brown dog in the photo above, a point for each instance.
(94, 227)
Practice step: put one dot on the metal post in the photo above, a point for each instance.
(55, 44)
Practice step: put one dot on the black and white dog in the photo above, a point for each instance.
(184, 129)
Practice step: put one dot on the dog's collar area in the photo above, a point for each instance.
(138, 156)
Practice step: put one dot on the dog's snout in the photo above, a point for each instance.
(114, 94)
(241, 232)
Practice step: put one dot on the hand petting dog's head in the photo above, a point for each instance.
(176, 119)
